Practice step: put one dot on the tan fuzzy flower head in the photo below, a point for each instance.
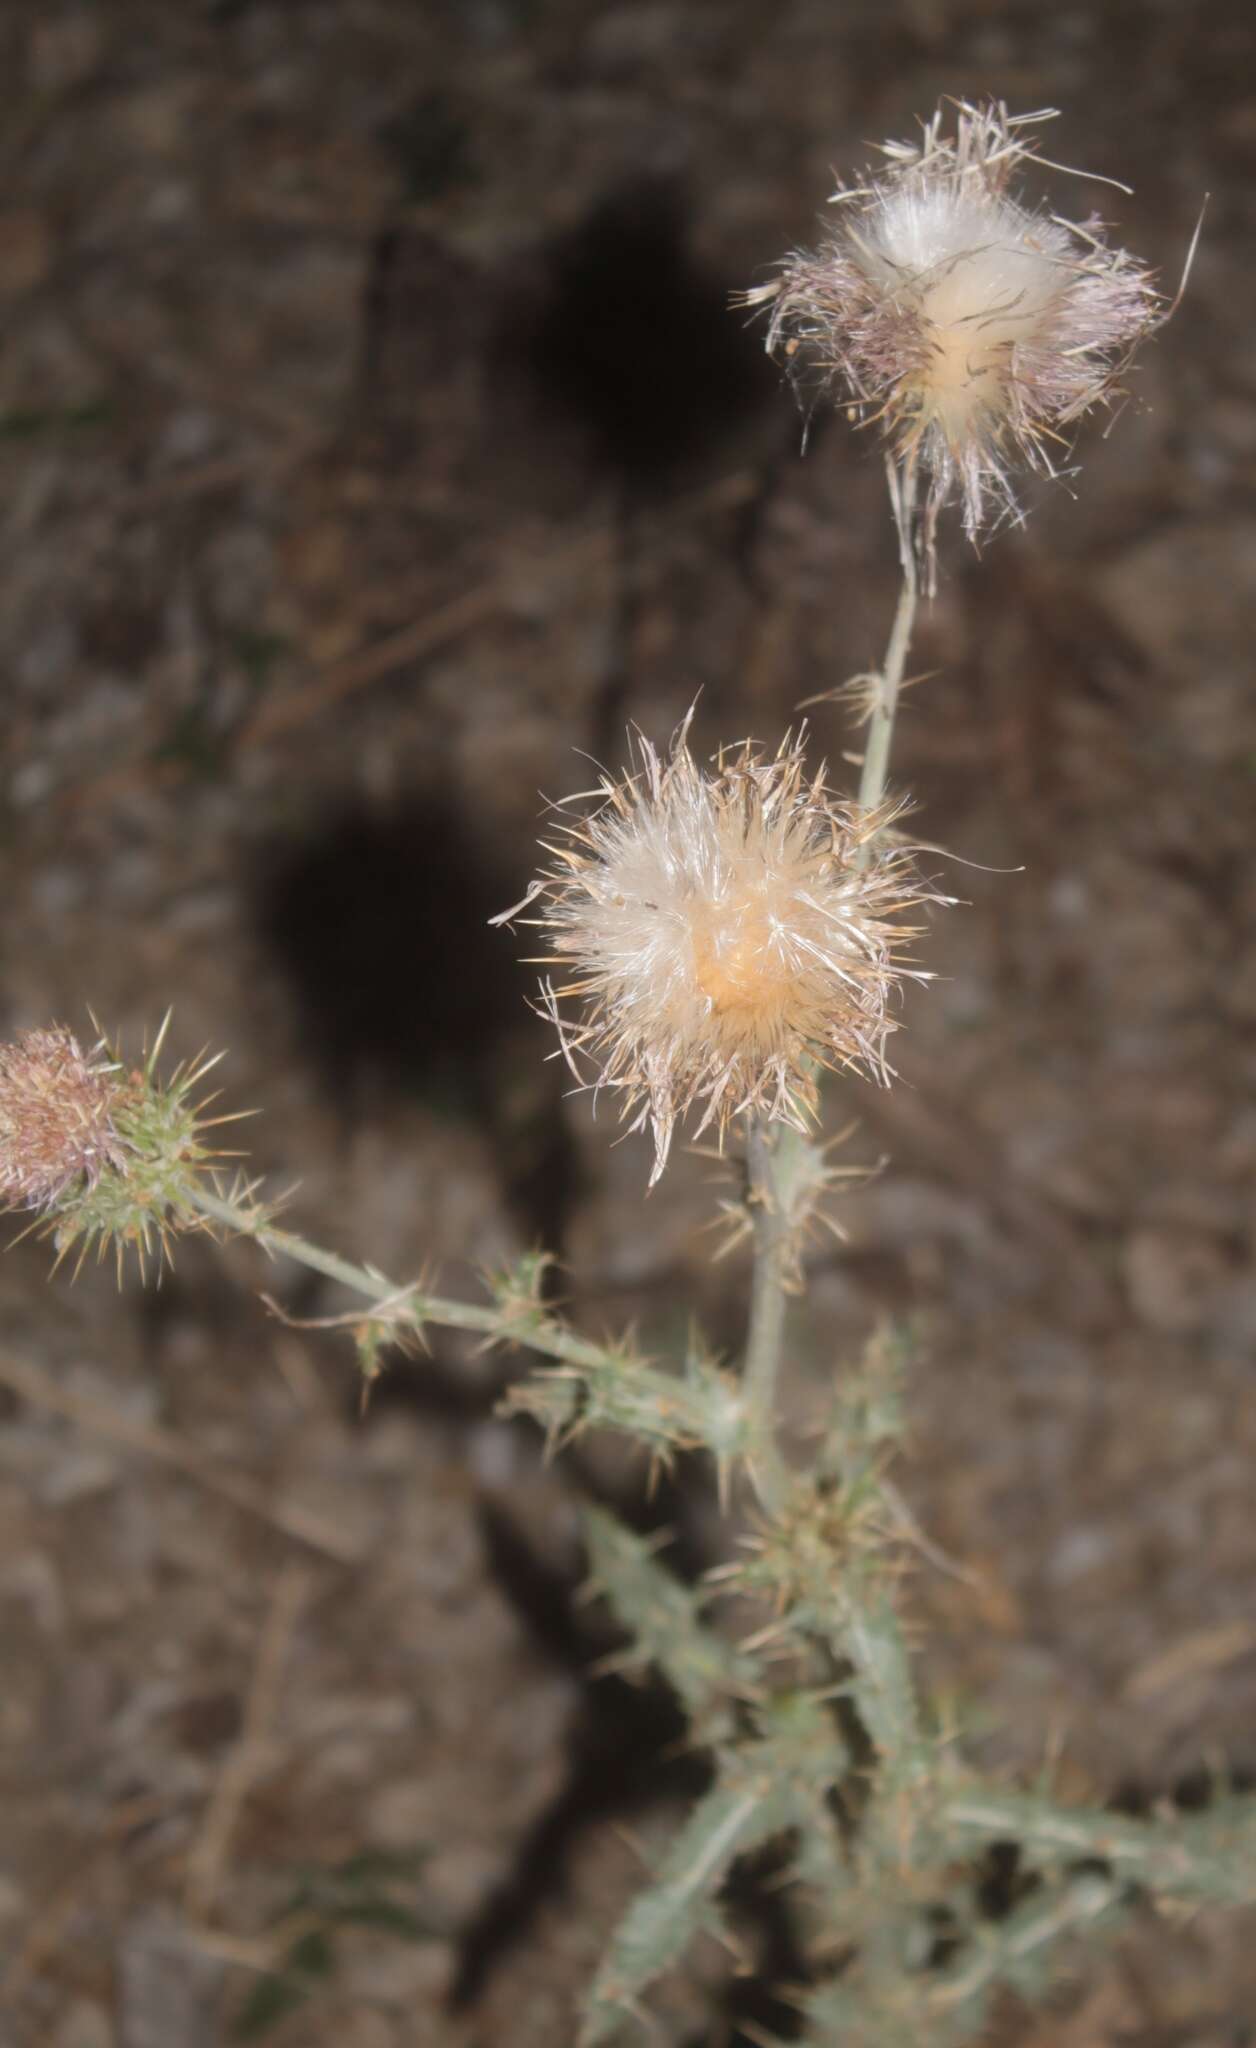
(725, 933)
(973, 328)
(56, 1117)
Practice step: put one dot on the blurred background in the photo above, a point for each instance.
(376, 445)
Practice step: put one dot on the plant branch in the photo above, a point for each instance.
(876, 763)
(1191, 1859)
(406, 1306)
(591, 1386)
(767, 1303)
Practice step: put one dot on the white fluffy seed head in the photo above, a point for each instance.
(974, 329)
(723, 934)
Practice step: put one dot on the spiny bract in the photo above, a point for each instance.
(727, 932)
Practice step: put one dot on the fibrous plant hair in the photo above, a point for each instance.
(725, 932)
(973, 326)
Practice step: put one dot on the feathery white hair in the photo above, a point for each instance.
(727, 933)
(975, 329)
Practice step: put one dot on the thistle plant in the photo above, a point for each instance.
(717, 938)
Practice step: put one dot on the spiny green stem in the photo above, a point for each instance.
(876, 763)
(1197, 1857)
(767, 1300)
(659, 1925)
(411, 1305)
(767, 1303)
(1086, 1900)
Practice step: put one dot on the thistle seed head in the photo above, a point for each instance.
(57, 1108)
(724, 934)
(973, 328)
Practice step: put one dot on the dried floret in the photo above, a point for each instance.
(727, 932)
(975, 329)
(57, 1107)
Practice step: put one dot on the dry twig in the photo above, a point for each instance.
(162, 1445)
(207, 1859)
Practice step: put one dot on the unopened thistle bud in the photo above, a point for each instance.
(973, 328)
(57, 1129)
(726, 933)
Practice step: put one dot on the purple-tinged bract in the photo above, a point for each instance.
(57, 1127)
